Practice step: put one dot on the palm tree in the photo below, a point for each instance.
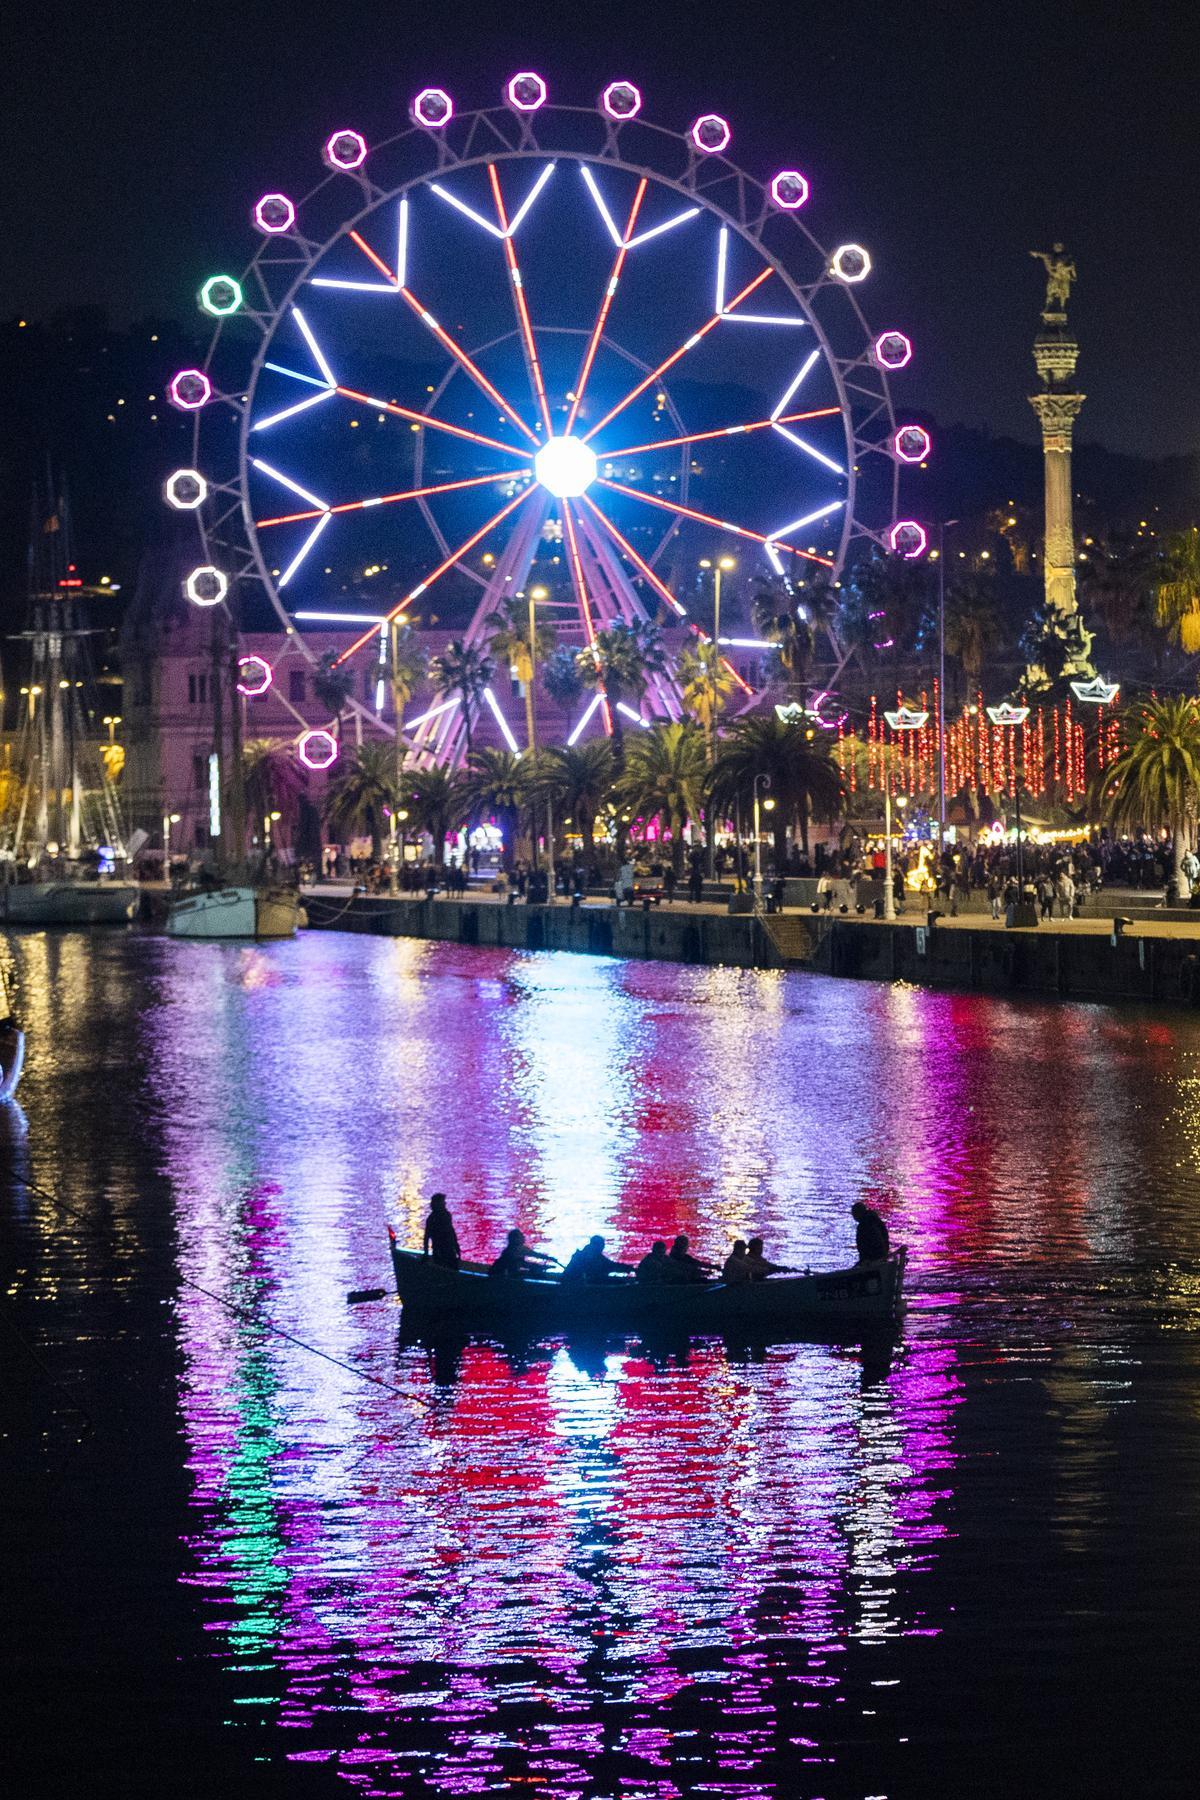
(973, 628)
(1155, 780)
(1177, 592)
(274, 781)
(362, 793)
(581, 778)
(620, 663)
(706, 682)
(436, 796)
(407, 665)
(887, 608)
(804, 778)
(776, 616)
(509, 643)
(497, 782)
(664, 779)
(560, 678)
(463, 670)
(333, 686)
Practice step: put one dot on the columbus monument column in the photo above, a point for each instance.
(1055, 351)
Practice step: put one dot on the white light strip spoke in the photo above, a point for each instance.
(643, 237)
(445, 705)
(809, 449)
(740, 318)
(722, 255)
(773, 558)
(811, 518)
(801, 375)
(289, 412)
(402, 245)
(578, 731)
(336, 618)
(295, 375)
(598, 197)
(529, 199)
(738, 643)
(318, 354)
(286, 481)
(359, 287)
(501, 721)
(304, 549)
(630, 714)
(467, 211)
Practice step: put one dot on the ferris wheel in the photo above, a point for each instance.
(535, 338)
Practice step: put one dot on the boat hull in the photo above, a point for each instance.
(869, 1293)
(12, 1059)
(70, 902)
(236, 912)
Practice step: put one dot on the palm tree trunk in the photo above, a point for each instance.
(779, 834)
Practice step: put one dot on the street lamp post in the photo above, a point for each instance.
(723, 565)
(943, 527)
(765, 782)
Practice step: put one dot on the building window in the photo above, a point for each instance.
(197, 690)
(199, 772)
(296, 693)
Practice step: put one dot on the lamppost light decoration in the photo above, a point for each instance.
(274, 213)
(185, 490)
(317, 749)
(206, 586)
(1096, 692)
(433, 108)
(621, 100)
(254, 676)
(189, 390)
(711, 133)
(907, 718)
(345, 151)
(789, 189)
(526, 92)
(1007, 714)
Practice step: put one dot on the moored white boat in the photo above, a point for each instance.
(69, 902)
(236, 912)
(868, 1293)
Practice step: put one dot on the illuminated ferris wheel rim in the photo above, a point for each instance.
(505, 135)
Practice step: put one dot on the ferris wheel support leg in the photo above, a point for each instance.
(629, 606)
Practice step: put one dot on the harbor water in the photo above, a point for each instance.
(257, 1542)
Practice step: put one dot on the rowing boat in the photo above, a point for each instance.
(867, 1293)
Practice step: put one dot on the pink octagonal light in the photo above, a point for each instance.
(254, 676)
(892, 350)
(912, 443)
(621, 100)
(189, 390)
(526, 91)
(433, 108)
(274, 213)
(907, 539)
(345, 150)
(317, 750)
(789, 189)
(711, 133)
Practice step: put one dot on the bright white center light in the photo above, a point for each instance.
(565, 467)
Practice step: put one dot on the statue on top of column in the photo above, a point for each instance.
(1060, 273)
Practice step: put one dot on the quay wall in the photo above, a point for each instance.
(1044, 962)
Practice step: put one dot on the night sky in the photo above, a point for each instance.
(948, 139)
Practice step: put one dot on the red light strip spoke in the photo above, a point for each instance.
(688, 344)
(356, 238)
(581, 594)
(698, 437)
(460, 356)
(624, 544)
(442, 487)
(420, 418)
(518, 288)
(454, 556)
(687, 512)
(605, 304)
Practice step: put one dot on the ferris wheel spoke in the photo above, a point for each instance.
(689, 512)
(670, 361)
(536, 378)
(575, 564)
(348, 506)
(699, 437)
(464, 361)
(420, 418)
(436, 574)
(609, 293)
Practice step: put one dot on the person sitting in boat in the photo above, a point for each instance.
(517, 1259)
(685, 1266)
(655, 1265)
(736, 1269)
(871, 1235)
(591, 1264)
(441, 1239)
(757, 1265)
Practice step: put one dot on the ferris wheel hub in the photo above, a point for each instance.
(566, 467)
